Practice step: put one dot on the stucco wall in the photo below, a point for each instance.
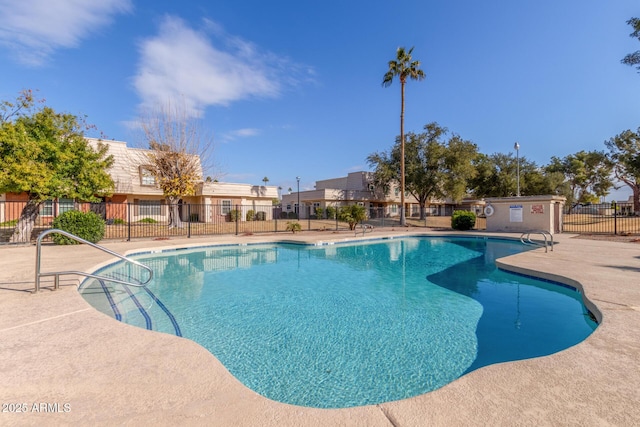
(513, 214)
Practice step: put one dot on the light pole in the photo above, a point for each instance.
(298, 179)
(517, 147)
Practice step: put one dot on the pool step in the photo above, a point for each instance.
(135, 306)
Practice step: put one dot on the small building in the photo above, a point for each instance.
(526, 213)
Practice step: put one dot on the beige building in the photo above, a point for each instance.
(135, 187)
(358, 187)
(212, 202)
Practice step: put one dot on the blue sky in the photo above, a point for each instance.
(293, 88)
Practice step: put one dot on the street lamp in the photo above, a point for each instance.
(298, 179)
(517, 147)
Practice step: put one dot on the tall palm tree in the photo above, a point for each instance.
(404, 67)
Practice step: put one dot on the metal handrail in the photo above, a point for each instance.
(57, 274)
(544, 234)
(364, 228)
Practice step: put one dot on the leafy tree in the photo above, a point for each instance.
(352, 214)
(403, 67)
(177, 149)
(633, 58)
(588, 175)
(45, 155)
(434, 168)
(624, 151)
(496, 176)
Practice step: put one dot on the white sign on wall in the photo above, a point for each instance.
(515, 213)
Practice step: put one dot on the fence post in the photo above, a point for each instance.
(189, 219)
(309, 218)
(237, 215)
(615, 221)
(128, 222)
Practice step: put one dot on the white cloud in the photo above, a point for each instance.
(34, 29)
(207, 68)
(239, 133)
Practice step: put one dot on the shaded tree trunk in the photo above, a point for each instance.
(635, 187)
(26, 223)
(423, 212)
(174, 213)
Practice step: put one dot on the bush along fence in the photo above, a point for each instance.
(151, 219)
(603, 218)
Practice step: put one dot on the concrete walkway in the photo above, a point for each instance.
(64, 363)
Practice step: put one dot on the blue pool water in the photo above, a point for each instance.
(350, 324)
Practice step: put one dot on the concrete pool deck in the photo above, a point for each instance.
(56, 349)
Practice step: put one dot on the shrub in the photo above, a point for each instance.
(11, 223)
(293, 227)
(234, 215)
(319, 212)
(352, 214)
(119, 221)
(331, 212)
(147, 221)
(463, 220)
(86, 225)
(261, 216)
(284, 215)
(251, 215)
(292, 215)
(194, 217)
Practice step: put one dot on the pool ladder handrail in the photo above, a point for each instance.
(57, 274)
(364, 228)
(547, 243)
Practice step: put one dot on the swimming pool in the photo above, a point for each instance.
(350, 324)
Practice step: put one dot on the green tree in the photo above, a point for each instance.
(45, 155)
(435, 169)
(587, 174)
(497, 176)
(624, 151)
(404, 67)
(633, 58)
(352, 214)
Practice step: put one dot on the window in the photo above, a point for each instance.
(149, 207)
(226, 207)
(47, 208)
(65, 205)
(61, 206)
(146, 177)
(394, 209)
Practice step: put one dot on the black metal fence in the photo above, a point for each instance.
(127, 221)
(151, 219)
(605, 218)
